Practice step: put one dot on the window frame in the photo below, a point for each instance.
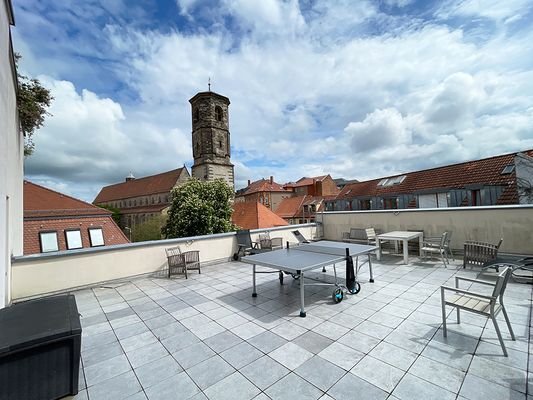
(41, 241)
(67, 241)
(96, 228)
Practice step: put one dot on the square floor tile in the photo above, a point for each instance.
(394, 355)
(210, 371)
(290, 355)
(341, 355)
(378, 373)
(352, 387)
(177, 387)
(475, 388)
(233, 387)
(116, 388)
(146, 354)
(412, 387)
(320, 372)
(267, 341)
(240, 355)
(293, 387)
(106, 369)
(222, 341)
(440, 374)
(156, 371)
(312, 342)
(264, 371)
(192, 355)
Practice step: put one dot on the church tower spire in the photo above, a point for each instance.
(211, 137)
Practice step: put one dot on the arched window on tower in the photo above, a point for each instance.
(218, 113)
(196, 115)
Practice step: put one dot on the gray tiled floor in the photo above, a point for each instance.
(206, 337)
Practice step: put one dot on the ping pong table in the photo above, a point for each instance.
(299, 259)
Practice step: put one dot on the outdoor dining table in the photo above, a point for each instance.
(397, 236)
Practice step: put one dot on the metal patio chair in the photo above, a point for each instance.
(181, 262)
(245, 246)
(487, 305)
(268, 243)
(437, 247)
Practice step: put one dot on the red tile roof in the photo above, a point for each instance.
(250, 215)
(262, 185)
(48, 210)
(456, 176)
(40, 202)
(306, 181)
(111, 232)
(154, 184)
(292, 207)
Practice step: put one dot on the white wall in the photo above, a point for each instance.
(512, 223)
(11, 160)
(40, 274)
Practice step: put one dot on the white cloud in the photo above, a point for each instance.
(311, 92)
(492, 9)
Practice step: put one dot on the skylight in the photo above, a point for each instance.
(391, 181)
(508, 169)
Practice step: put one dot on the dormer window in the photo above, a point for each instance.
(218, 113)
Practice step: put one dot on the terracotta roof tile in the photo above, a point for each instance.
(48, 210)
(160, 183)
(262, 185)
(43, 202)
(306, 181)
(456, 176)
(290, 207)
(250, 215)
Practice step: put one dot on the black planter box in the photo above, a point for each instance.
(40, 342)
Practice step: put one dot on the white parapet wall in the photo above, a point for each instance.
(41, 274)
(488, 224)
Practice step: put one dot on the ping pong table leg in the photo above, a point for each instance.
(254, 293)
(370, 269)
(302, 291)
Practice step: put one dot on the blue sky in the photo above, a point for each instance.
(356, 89)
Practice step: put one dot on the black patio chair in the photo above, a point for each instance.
(245, 246)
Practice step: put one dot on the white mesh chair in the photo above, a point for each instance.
(488, 305)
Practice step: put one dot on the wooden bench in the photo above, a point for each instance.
(479, 253)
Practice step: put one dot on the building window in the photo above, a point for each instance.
(390, 203)
(96, 236)
(365, 204)
(73, 238)
(218, 113)
(153, 200)
(196, 115)
(48, 241)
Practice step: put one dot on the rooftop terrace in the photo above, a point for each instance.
(206, 337)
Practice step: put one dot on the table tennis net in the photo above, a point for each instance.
(315, 248)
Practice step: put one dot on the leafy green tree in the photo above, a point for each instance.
(199, 208)
(149, 230)
(116, 213)
(33, 99)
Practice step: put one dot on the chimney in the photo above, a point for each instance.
(249, 182)
(130, 177)
(271, 179)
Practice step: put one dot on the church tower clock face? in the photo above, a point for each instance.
(211, 137)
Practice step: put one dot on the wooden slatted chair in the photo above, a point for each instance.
(181, 262)
(479, 303)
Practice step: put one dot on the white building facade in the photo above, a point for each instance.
(11, 157)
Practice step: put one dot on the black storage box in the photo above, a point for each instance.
(40, 343)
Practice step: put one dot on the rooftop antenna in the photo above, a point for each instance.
(209, 83)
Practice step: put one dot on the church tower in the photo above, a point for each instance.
(210, 137)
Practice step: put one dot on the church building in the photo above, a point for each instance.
(139, 200)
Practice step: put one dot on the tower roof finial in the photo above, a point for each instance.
(209, 83)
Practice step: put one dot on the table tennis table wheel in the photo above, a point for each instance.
(337, 295)
(356, 288)
(280, 278)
